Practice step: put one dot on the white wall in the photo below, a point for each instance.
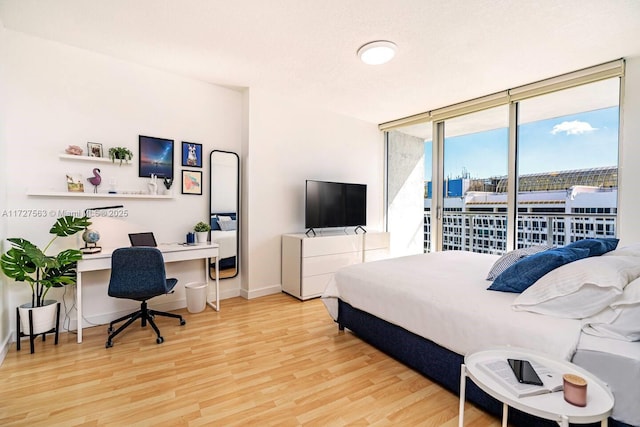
(5, 310)
(289, 143)
(628, 171)
(59, 95)
(405, 193)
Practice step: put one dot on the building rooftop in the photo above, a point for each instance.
(603, 177)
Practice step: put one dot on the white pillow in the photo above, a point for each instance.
(511, 257)
(579, 289)
(228, 225)
(224, 218)
(630, 250)
(621, 320)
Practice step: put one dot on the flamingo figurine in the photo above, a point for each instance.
(95, 180)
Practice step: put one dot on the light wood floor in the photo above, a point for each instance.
(268, 361)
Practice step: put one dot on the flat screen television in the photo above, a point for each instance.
(335, 204)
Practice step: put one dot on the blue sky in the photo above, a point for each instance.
(576, 141)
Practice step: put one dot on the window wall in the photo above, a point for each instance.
(475, 158)
(568, 164)
(532, 165)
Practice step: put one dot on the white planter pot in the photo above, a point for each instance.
(44, 318)
(201, 236)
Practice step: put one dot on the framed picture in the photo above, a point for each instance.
(156, 157)
(75, 183)
(191, 182)
(94, 149)
(191, 154)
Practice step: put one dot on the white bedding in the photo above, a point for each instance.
(442, 296)
(227, 241)
(617, 363)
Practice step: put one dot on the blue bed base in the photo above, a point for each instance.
(431, 360)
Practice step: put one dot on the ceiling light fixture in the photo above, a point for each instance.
(377, 52)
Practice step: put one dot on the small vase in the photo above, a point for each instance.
(44, 317)
(201, 236)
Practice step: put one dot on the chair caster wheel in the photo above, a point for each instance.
(182, 322)
(108, 344)
(159, 340)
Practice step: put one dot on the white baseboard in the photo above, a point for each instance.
(257, 293)
(104, 319)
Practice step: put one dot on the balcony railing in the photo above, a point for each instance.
(487, 233)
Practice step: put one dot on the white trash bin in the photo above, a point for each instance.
(196, 296)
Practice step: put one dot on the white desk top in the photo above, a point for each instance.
(171, 252)
(163, 247)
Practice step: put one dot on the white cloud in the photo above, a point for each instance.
(575, 127)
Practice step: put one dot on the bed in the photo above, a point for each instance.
(429, 310)
(224, 233)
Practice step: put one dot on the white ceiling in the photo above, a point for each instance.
(448, 51)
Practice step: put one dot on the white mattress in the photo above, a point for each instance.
(227, 241)
(617, 363)
(442, 296)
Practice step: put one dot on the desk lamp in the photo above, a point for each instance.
(90, 236)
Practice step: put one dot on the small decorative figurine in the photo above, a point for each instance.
(95, 180)
(153, 185)
(74, 150)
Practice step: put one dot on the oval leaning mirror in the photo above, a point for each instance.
(224, 207)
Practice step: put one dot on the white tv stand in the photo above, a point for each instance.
(308, 263)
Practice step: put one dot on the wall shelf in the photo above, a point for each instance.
(92, 159)
(97, 195)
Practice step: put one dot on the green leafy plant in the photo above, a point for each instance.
(25, 262)
(120, 153)
(201, 226)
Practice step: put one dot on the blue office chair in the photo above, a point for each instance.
(138, 273)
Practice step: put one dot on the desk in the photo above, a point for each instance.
(171, 253)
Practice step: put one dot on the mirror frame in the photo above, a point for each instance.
(211, 211)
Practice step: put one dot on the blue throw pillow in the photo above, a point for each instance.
(596, 247)
(527, 271)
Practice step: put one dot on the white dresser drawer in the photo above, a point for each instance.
(376, 240)
(314, 286)
(312, 266)
(326, 245)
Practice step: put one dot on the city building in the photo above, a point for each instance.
(553, 208)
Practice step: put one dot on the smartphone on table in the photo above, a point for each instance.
(524, 371)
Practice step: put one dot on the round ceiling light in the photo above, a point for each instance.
(378, 52)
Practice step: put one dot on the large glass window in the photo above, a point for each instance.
(568, 165)
(475, 158)
(536, 164)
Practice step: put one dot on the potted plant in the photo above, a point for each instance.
(25, 262)
(120, 153)
(202, 231)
